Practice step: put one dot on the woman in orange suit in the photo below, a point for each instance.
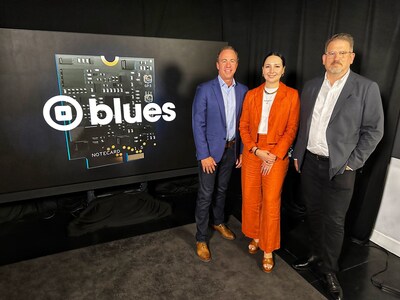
(268, 127)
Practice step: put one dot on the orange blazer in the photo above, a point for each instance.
(283, 119)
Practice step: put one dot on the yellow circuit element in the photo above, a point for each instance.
(109, 63)
(135, 156)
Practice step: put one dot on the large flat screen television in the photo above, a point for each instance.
(87, 111)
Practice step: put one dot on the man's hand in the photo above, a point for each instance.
(239, 162)
(208, 164)
(296, 165)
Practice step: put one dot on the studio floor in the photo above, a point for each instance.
(46, 233)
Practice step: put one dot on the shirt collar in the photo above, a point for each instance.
(224, 85)
(338, 82)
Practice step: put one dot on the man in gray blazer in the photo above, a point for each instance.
(341, 123)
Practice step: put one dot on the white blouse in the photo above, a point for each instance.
(268, 99)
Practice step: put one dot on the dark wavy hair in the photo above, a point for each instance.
(274, 53)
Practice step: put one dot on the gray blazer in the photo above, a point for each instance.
(355, 127)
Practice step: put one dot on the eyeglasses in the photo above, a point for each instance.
(339, 53)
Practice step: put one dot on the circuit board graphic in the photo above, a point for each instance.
(127, 80)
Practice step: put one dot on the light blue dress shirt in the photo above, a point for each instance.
(228, 93)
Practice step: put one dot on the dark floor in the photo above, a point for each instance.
(42, 230)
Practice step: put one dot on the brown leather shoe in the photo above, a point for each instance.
(224, 231)
(202, 251)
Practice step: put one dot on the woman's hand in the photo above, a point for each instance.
(268, 160)
(265, 155)
(266, 167)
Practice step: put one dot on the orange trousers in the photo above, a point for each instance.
(261, 198)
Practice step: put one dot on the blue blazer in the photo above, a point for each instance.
(209, 120)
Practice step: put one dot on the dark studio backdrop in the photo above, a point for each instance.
(297, 28)
(146, 73)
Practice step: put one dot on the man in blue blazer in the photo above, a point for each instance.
(216, 111)
(341, 123)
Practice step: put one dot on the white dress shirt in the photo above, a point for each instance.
(326, 101)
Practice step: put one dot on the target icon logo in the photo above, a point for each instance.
(62, 114)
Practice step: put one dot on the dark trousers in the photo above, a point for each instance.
(327, 201)
(212, 190)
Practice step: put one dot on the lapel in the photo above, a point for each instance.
(344, 95)
(220, 100)
(277, 105)
(313, 96)
(258, 99)
(238, 96)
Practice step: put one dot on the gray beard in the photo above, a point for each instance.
(336, 70)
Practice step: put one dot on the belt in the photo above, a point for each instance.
(318, 157)
(229, 144)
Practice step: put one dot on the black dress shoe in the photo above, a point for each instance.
(306, 264)
(333, 287)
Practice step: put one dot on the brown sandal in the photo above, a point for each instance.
(268, 264)
(253, 247)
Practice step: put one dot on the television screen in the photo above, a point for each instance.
(87, 111)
